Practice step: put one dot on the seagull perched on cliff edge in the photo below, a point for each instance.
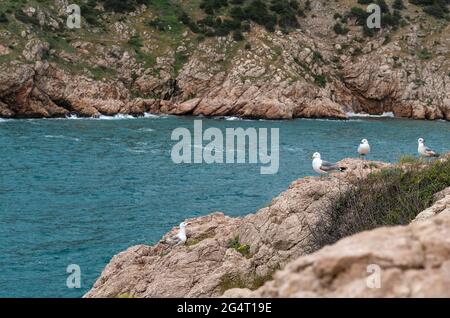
(180, 238)
(424, 151)
(323, 167)
(364, 148)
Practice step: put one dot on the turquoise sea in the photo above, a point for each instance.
(78, 191)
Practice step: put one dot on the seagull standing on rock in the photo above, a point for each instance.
(364, 148)
(323, 167)
(424, 151)
(180, 238)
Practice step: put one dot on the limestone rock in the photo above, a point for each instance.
(206, 266)
(414, 261)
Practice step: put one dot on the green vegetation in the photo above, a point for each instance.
(126, 295)
(398, 5)
(252, 281)
(408, 159)
(389, 19)
(320, 80)
(200, 238)
(436, 8)
(424, 54)
(3, 18)
(241, 248)
(390, 197)
(339, 29)
(234, 16)
(121, 5)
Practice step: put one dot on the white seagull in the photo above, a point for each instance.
(364, 148)
(323, 167)
(424, 151)
(180, 238)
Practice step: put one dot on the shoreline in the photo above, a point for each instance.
(351, 116)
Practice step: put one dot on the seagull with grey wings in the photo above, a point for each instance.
(323, 167)
(424, 151)
(180, 238)
(364, 148)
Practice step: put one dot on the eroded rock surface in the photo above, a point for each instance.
(308, 72)
(414, 261)
(207, 265)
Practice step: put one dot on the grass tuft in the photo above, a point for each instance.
(243, 249)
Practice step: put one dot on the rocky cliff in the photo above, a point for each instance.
(413, 261)
(237, 255)
(180, 58)
(222, 252)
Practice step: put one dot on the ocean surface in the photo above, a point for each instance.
(78, 191)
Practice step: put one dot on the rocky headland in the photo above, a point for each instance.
(279, 251)
(172, 58)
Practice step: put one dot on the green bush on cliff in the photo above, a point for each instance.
(390, 197)
(436, 8)
(243, 249)
(3, 18)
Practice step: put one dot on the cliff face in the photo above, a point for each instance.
(223, 253)
(414, 261)
(226, 256)
(142, 61)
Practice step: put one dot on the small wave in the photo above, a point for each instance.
(138, 151)
(234, 118)
(2, 120)
(62, 137)
(365, 115)
(146, 129)
(115, 117)
(150, 115)
(330, 120)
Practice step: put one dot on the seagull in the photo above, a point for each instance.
(323, 167)
(180, 238)
(424, 151)
(364, 148)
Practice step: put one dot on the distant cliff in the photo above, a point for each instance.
(257, 59)
(223, 253)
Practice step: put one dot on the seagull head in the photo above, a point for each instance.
(421, 140)
(183, 225)
(316, 155)
(364, 141)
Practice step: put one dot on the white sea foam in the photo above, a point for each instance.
(62, 137)
(356, 115)
(115, 117)
(136, 150)
(235, 118)
(149, 115)
(232, 118)
(146, 129)
(2, 120)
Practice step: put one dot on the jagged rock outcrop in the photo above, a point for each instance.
(208, 264)
(442, 205)
(413, 261)
(309, 72)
